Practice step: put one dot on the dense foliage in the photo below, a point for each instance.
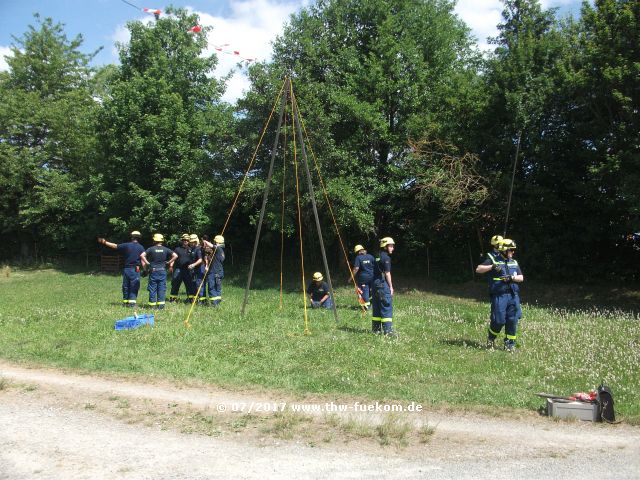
(414, 130)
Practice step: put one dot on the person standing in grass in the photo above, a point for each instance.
(180, 273)
(214, 254)
(131, 252)
(195, 269)
(363, 273)
(382, 299)
(504, 276)
(318, 291)
(156, 259)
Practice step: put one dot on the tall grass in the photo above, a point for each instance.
(66, 320)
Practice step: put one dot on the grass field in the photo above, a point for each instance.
(66, 320)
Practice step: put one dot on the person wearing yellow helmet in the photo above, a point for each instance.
(319, 292)
(180, 272)
(504, 276)
(214, 254)
(131, 252)
(382, 299)
(195, 269)
(363, 274)
(156, 259)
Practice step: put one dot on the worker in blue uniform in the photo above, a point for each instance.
(319, 292)
(504, 276)
(180, 273)
(382, 298)
(196, 270)
(215, 259)
(131, 252)
(363, 274)
(156, 259)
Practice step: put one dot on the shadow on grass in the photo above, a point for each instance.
(624, 297)
(358, 330)
(562, 296)
(464, 343)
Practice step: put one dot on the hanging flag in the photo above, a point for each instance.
(155, 11)
(195, 29)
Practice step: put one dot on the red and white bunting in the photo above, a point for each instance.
(195, 29)
(155, 11)
(235, 53)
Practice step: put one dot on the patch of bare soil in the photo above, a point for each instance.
(64, 425)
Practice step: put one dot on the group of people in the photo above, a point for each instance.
(196, 263)
(374, 284)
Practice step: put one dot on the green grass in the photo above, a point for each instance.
(66, 320)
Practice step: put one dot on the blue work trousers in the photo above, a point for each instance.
(130, 285)
(382, 303)
(367, 288)
(157, 288)
(214, 287)
(505, 312)
(328, 303)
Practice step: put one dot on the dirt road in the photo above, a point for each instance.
(56, 425)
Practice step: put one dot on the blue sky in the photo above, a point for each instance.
(247, 25)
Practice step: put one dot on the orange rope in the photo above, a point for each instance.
(326, 196)
(304, 287)
(235, 201)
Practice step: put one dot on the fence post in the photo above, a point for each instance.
(473, 270)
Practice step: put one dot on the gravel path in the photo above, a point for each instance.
(53, 426)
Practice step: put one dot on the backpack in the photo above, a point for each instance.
(605, 404)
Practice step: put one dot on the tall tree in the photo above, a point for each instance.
(369, 76)
(46, 136)
(163, 130)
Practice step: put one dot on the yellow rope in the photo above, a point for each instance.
(235, 201)
(304, 287)
(326, 196)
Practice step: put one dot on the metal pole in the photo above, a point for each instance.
(473, 270)
(296, 118)
(513, 178)
(266, 194)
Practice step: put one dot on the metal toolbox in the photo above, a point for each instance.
(579, 410)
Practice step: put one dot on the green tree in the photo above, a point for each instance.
(164, 132)
(46, 136)
(370, 75)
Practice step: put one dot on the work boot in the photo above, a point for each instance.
(376, 327)
(387, 327)
(510, 346)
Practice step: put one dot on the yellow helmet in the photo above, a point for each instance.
(185, 236)
(318, 277)
(495, 241)
(386, 241)
(158, 237)
(135, 234)
(507, 244)
(194, 238)
(219, 239)
(358, 248)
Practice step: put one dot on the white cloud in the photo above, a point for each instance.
(4, 66)
(483, 16)
(249, 29)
